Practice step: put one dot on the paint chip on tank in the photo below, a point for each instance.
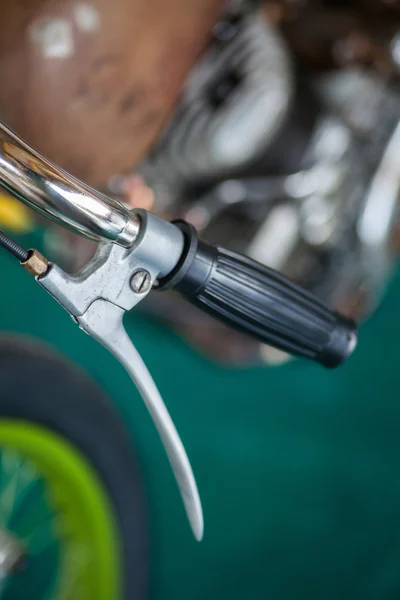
(54, 36)
(87, 17)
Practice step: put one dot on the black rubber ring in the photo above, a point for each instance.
(188, 254)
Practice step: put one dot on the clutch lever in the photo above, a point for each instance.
(103, 321)
(115, 281)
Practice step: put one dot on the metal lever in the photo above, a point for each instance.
(104, 323)
(97, 299)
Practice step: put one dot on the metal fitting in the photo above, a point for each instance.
(36, 264)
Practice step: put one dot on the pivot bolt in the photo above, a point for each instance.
(141, 281)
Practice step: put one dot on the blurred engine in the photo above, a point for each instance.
(285, 147)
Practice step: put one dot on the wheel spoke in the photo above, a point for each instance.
(52, 503)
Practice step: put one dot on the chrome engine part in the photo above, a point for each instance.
(233, 105)
(331, 224)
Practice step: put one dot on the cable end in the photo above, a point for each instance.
(36, 264)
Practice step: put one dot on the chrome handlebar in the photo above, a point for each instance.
(54, 193)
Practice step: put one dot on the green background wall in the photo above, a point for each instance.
(298, 467)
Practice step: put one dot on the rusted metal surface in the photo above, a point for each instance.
(91, 83)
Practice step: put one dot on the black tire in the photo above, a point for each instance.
(38, 385)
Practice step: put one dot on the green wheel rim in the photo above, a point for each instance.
(79, 517)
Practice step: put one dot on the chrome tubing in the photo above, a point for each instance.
(46, 188)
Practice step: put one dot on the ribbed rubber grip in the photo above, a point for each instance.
(263, 303)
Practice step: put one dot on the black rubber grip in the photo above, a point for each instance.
(261, 302)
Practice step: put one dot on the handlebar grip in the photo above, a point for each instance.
(261, 302)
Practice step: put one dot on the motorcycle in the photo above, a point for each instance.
(272, 161)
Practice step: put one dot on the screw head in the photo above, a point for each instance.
(141, 281)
